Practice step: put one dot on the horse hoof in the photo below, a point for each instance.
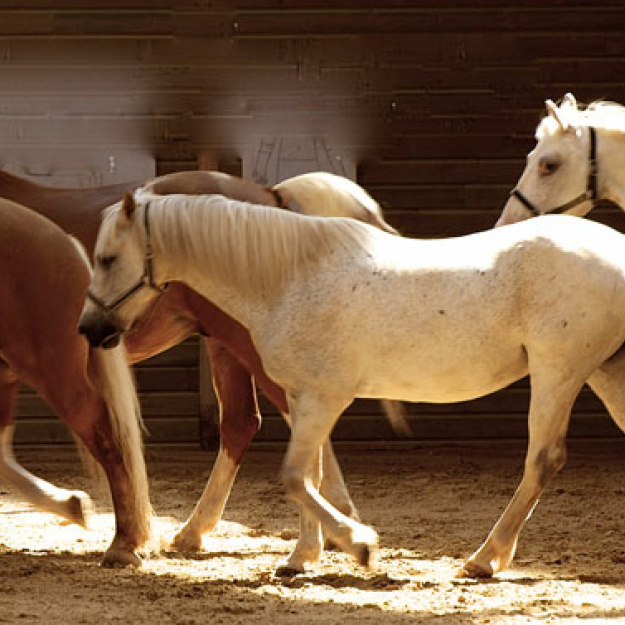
(117, 558)
(79, 506)
(284, 570)
(472, 569)
(186, 543)
(364, 546)
(365, 555)
(331, 545)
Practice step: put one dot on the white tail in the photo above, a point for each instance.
(327, 195)
(113, 378)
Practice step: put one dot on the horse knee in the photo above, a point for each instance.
(548, 461)
(294, 481)
(237, 433)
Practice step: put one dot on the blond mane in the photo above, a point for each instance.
(600, 114)
(258, 248)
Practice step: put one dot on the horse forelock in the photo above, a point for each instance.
(600, 114)
(258, 248)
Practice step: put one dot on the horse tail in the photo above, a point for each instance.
(329, 195)
(111, 375)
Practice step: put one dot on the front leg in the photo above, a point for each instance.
(310, 543)
(239, 421)
(313, 417)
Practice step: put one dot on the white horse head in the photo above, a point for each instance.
(560, 175)
(124, 282)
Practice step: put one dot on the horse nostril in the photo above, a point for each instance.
(110, 341)
(100, 332)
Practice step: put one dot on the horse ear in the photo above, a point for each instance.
(128, 206)
(556, 113)
(569, 101)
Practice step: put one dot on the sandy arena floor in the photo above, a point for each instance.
(431, 505)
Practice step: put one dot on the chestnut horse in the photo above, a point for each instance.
(43, 275)
(180, 313)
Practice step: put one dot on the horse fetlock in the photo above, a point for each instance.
(359, 541)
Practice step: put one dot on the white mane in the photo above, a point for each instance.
(257, 247)
(600, 114)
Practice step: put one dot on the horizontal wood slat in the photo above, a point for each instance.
(435, 102)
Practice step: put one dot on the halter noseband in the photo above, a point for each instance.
(589, 194)
(146, 279)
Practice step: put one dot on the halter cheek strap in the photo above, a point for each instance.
(589, 194)
(146, 279)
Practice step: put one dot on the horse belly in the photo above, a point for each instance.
(447, 378)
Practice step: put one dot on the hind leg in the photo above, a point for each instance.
(550, 409)
(333, 486)
(71, 505)
(239, 422)
(608, 383)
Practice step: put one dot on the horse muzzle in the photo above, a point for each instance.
(100, 331)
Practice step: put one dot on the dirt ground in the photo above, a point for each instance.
(431, 505)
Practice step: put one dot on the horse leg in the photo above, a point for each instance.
(239, 421)
(309, 432)
(550, 408)
(607, 382)
(92, 426)
(333, 486)
(107, 422)
(71, 505)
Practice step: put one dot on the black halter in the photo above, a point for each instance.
(146, 279)
(589, 194)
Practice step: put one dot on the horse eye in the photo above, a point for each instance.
(106, 261)
(547, 167)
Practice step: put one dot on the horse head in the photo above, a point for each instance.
(123, 284)
(560, 173)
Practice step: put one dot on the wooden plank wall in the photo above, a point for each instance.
(435, 101)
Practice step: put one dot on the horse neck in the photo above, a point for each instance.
(77, 211)
(611, 167)
(220, 271)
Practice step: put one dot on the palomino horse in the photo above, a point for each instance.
(578, 160)
(338, 309)
(43, 276)
(181, 312)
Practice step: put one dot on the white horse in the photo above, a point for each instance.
(578, 160)
(339, 309)
(341, 198)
